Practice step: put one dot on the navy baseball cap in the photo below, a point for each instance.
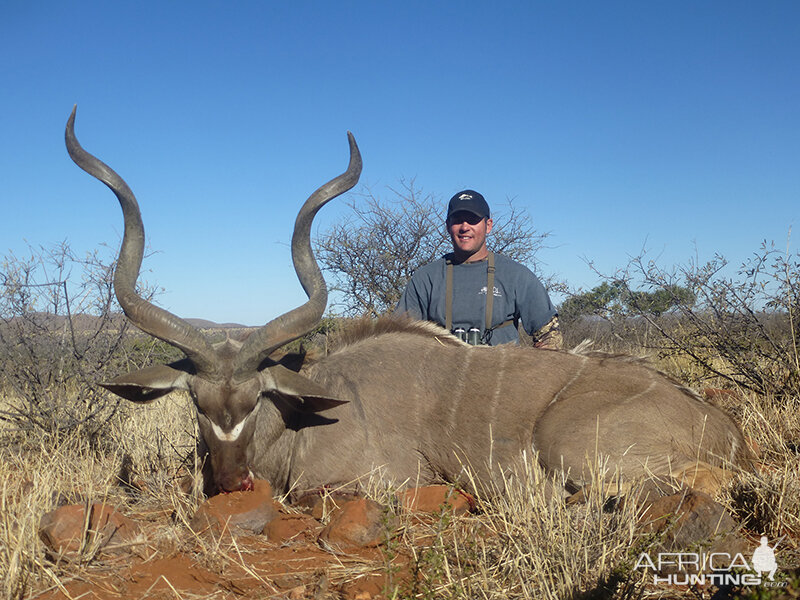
(470, 201)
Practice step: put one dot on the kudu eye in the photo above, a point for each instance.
(201, 410)
(251, 405)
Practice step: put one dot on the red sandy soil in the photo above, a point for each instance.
(294, 556)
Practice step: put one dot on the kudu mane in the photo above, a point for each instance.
(353, 331)
(364, 328)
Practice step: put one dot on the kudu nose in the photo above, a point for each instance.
(239, 482)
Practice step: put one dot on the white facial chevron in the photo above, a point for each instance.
(233, 434)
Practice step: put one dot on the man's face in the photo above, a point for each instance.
(468, 234)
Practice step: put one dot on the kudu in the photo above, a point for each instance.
(405, 399)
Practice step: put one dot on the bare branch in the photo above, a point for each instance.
(61, 332)
(372, 252)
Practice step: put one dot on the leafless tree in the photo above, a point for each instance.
(738, 324)
(61, 332)
(373, 251)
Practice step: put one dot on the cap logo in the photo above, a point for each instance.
(465, 197)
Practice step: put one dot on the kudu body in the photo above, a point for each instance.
(405, 398)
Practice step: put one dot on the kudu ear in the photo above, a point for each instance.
(153, 382)
(303, 394)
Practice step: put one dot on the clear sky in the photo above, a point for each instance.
(669, 125)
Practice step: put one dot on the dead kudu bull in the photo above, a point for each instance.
(405, 398)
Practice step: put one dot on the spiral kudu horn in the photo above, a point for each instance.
(142, 313)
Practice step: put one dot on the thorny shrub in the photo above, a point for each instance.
(372, 252)
(740, 326)
(60, 334)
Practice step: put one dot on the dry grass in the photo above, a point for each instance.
(39, 473)
(527, 543)
(769, 502)
(522, 543)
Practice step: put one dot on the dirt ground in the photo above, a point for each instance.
(240, 545)
(324, 545)
(266, 570)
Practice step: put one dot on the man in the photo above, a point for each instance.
(461, 289)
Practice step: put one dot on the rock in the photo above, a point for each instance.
(691, 519)
(64, 531)
(320, 503)
(361, 523)
(434, 498)
(297, 593)
(290, 528)
(364, 588)
(242, 512)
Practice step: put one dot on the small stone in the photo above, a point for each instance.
(297, 593)
(63, 530)
(361, 522)
(247, 512)
(365, 588)
(320, 503)
(291, 527)
(434, 498)
(691, 518)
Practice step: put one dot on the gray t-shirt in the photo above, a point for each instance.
(518, 294)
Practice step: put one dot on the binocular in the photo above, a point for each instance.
(472, 337)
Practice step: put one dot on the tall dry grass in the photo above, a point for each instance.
(523, 543)
(768, 502)
(149, 446)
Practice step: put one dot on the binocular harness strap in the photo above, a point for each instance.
(489, 291)
(448, 302)
(448, 309)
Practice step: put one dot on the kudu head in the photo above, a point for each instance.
(226, 380)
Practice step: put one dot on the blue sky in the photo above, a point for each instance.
(619, 125)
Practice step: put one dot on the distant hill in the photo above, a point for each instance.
(83, 322)
(206, 324)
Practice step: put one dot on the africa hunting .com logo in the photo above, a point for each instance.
(715, 568)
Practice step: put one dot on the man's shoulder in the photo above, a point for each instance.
(430, 269)
(510, 265)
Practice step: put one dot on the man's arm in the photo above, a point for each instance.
(410, 302)
(549, 336)
(537, 310)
